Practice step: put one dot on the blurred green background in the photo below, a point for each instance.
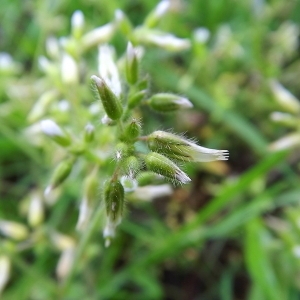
(234, 232)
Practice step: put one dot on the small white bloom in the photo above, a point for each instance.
(52, 47)
(65, 263)
(85, 213)
(284, 97)
(98, 36)
(5, 266)
(168, 41)
(69, 69)
(108, 69)
(13, 230)
(162, 8)
(150, 192)
(77, 20)
(36, 211)
(287, 142)
(201, 35)
(182, 177)
(203, 154)
(50, 128)
(129, 184)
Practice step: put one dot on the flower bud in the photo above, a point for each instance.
(60, 174)
(182, 149)
(150, 192)
(165, 102)
(52, 47)
(163, 166)
(135, 99)
(287, 142)
(69, 70)
(284, 97)
(285, 119)
(108, 121)
(98, 36)
(122, 151)
(145, 178)
(41, 105)
(111, 103)
(128, 183)
(62, 241)
(156, 15)
(51, 129)
(35, 211)
(89, 133)
(5, 266)
(131, 131)
(131, 166)
(90, 190)
(108, 69)
(161, 39)
(77, 24)
(14, 230)
(65, 263)
(114, 200)
(132, 64)
(123, 22)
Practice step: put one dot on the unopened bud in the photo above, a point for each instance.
(150, 192)
(65, 263)
(129, 184)
(132, 64)
(163, 40)
(111, 103)
(62, 241)
(77, 24)
(132, 131)
(5, 266)
(165, 102)
(122, 151)
(131, 166)
(98, 36)
(51, 129)
(285, 119)
(60, 174)
(114, 200)
(123, 22)
(69, 69)
(136, 98)
(177, 147)
(41, 105)
(287, 142)
(89, 133)
(14, 230)
(147, 177)
(108, 121)
(35, 211)
(284, 97)
(90, 189)
(156, 15)
(163, 166)
(52, 47)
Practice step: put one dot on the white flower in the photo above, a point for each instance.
(98, 36)
(284, 97)
(150, 192)
(179, 148)
(69, 69)
(4, 271)
(108, 69)
(50, 128)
